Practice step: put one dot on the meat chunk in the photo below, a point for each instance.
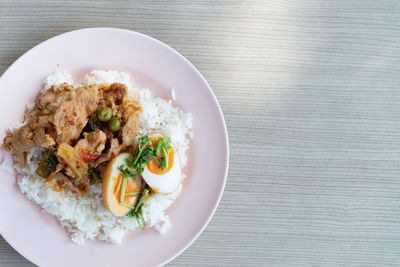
(116, 92)
(57, 181)
(39, 128)
(88, 96)
(52, 98)
(72, 115)
(19, 143)
(45, 121)
(130, 128)
(113, 151)
(42, 139)
(43, 130)
(114, 95)
(92, 145)
(68, 126)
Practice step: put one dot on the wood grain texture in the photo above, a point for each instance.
(310, 90)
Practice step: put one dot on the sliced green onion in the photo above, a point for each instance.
(141, 216)
(142, 199)
(133, 193)
(165, 157)
(167, 141)
(137, 156)
(143, 142)
(123, 189)
(158, 147)
(126, 205)
(141, 223)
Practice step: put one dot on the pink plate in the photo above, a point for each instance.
(37, 235)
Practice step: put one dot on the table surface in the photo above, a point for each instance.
(310, 94)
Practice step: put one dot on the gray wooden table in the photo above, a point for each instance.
(310, 90)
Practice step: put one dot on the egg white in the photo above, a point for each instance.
(168, 182)
(110, 178)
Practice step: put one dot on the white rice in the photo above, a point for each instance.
(86, 217)
(57, 78)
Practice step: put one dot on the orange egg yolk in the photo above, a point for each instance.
(116, 191)
(153, 166)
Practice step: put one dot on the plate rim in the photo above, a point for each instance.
(193, 68)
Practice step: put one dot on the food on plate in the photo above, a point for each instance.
(163, 173)
(103, 157)
(121, 186)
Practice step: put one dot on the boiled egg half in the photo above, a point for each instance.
(112, 186)
(167, 180)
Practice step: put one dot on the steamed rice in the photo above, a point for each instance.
(86, 217)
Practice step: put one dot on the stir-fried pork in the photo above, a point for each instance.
(72, 115)
(92, 145)
(19, 143)
(61, 114)
(130, 111)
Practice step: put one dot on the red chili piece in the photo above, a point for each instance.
(87, 157)
(73, 141)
